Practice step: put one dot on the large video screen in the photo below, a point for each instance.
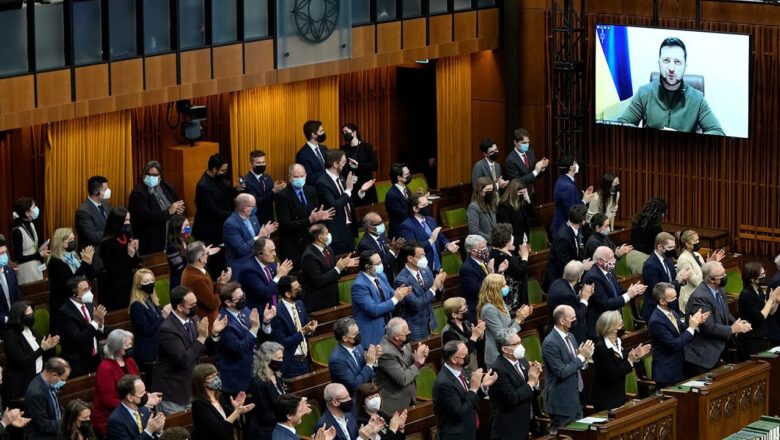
(666, 79)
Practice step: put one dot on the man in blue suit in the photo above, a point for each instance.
(349, 364)
(290, 328)
(9, 286)
(398, 197)
(417, 308)
(258, 276)
(338, 412)
(568, 244)
(312, 154)
(238, 340)
(124, 421)
(564, 291)
(424, 230)
(668, 336)
(659, 267)
(241, 230)
(472, 272)
(563, 362)
(41, 403)
(376, 240)
(566, 192)
(260, 184)
(373, 300)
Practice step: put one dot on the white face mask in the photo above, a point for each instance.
(576, 168)
(422, 263)
(107, 194)
(519, 352)
(88, 297)
(374, 403)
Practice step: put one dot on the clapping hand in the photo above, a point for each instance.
(320, 214)
(717, 255)
(327, 433)
(153, 399)
(99, 314)
(268, 229)
(398, 421)
(219, 324)
(224, 278)
(523, 312)
(269, 313)
(284, 268)
(489, 378)
(49, 342)
(87, 253)
(478, 331)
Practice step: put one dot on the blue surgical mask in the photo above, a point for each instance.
(58, 386)
(254, 210)
(35, 212)
(380, 229)
(4, 260)
(329, 239)
(379, 268)
(298, 182)
(151, 181)
(505, 291)
(524, 148)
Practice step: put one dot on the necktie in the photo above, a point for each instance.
(355, 357)
(138, 421)
(434, 246)
(381, 242)
(465, 384)
(55, 404)
(302, 198)
(379, 288)
(666, 269)
(347, 207)
(420, 279)
(484, 268)
(674, 321)
(297, 322)
(328, 259)
(86, 317)
(614, 284)
(570, 346)
(249, 227)
(4, 285)
(188, 329)
(102, 210)
(493, 171)
(268, 275)
(318, 154)
(519, 370)
(525, 160)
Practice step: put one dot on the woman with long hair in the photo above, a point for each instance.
(177, 234)
(516, 209)
(757, 304)
(267, 385)
(76, 423)
(481, 212)
(25, 350)
(606, 199)
(213, 416)
(29, 253)
(361, 162)
(492, 309)
(645, 227)
(146, 315)
(119, 252)
(65, 263)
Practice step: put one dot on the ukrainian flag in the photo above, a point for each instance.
(613, 69)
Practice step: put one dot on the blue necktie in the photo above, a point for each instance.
(436, 258)
(54, 403)
(301, 197)
(615, 286)
(249, 227)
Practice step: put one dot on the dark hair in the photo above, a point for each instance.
(519, 134)
(749, 273)
(449, 349)
(315, 231)
(341, 327)
(152, 164)
(199, 375)
(414, 201)
(215, 161)
(173, 233)
(597, 220)
(353, 128)
(485, 145)
(259, 245)
(365, 258)
(177, 295)
(311, 127)
(94, 184)
(285, 284)
(363, 391)
(126, 385)
(73, 284)
(396, 171)
(69, 417)
(286, 406)
(565, 162)
(255, 154)
(671, 42)
(2, 240)
(476, 195)
(500, 235)
(577, 214)
(332, 157)
(15, 315)
(114, 223)
(605, 192)
(22, 205)
(659, 290)
(226, 292)
(175, 433)
(650, 214)
(408, 250)
(56, 365)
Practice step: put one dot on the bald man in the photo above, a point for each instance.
(338, 412)
(241, 230)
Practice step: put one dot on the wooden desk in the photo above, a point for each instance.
(651, 418)
(773, 359)
(736, 396)
(711, 238)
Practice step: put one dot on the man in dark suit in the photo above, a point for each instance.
(338, 406)
(704, 352)
(398, 198)
(297, 208)
(417, 307)
(80, 325)
(40, 401)
(472, 272)
(512, 395)
(9, 286)
(607, 293)
(565, 291)
(659, 267)
(241, 230)
(488, 166)
(568, 244)
(668, 336)
(182, 339)
(132, 420)
(566, 192)
(521, 161)
(237, 342)
(349, 364)
(214, 204)
(424, 230)
(91, 217)
(289, 409)
(312, 154)
(290, 328)
(455, 398)
(563, 362)
(260, 184)
(320, 271)
(773, 322)
(260, 274)
(152, 202)
(376, 240)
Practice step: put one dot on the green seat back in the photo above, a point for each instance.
(533, 347)
(345, 290)
(41, 324)
(538, 239)
(425, 383)
(361, 233)
(163, 288)
(418, 182)
(535, 293)
(306, 427)
(621, 267)
(734, 281)
(321, 350)
(632, 386)
(628, 318)
(454, 217)
(451, 263)
(648, 364)
(441, 319)
(382, 188)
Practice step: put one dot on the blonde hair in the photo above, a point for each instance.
(55, 244)
(687, 237)
(135, 292)
(607, 322)
(490, 293)
(452, 305)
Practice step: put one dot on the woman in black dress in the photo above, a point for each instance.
(119, 252)
(516, 273)
(25, 351)
(516, 209)
(756, 305)
(362, 162)
(213, 415)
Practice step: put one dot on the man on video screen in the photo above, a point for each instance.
(668, 103)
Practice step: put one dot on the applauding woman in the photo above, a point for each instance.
(213, 416)
(25, 350)
(119, 252)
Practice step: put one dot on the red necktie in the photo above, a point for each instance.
(328, 259)
(525, 160)
(86, 317)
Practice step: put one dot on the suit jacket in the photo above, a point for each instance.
(705, 349)
(751, 302)
(286, 333)
(238, 240)
(208, 423)
(262, 188)
(59, 274)
(380, 245)
(106, 397)
(177, 357)
(77, 337)
(259, 290)
(40, 409)
(396, 377)
(370, 309)
(455, 407)
(609, 384)
(479, 221)
(653, 273)
(364, 154)
(510, 401)
(13, 294)
(668, 343)
(148, 219)
(206, 291)
(561, 292)
(565, 247)
(327, 420)
(146, 323)
(20, 364)
(397, 206)
(495, 321)
(261, 419)
(412, 230)
(561, 372)
(417, 308)
(565, 194)
(281, 433)
(595, 241)
(122, 425)
(90, 224)
(214, 204)
(607, 295)
(236, 352)
(293, 218)
(516, 169)
(117, 280)
(520, 219)
(348, 370)
(315, 167)
(471, 277)
(320, 280)
(773, 322)
(343, 234)
(482, 169)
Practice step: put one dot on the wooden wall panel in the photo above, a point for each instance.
(259, 56)
(388, 37)
(54, 88)
(195, 66)
(413, 33)
(17, 94)
(228, 61)
(488, 24)
(363, 41)
(465, 26)
(127, 76)
(533, 22)
(160, 72)
(91, 82)
(441, 29)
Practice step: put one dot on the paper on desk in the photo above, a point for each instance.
(695, 384)
(592, 420)
(775, 349)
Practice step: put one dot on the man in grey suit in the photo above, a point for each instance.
(91, 217)
(398, 368)
(704, 352)
(563, 362)
(488, 167)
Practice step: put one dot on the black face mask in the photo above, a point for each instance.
(144, 400)
(147, 288)
(129, 353)
(259, 169)
(348, 137)
(85, 428)
(488, 197)
(615, 189)
(127, 229)
(671, 253)
(28, 321)
(761, 281)
(241, 304)
(357, 339)
(321, 137)
(697, 247)
(71, 246)
(346, 406)
(275, 365)
(621, 332)
(493, 156)
(193, 311)
(724, 281)
(426, 211)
